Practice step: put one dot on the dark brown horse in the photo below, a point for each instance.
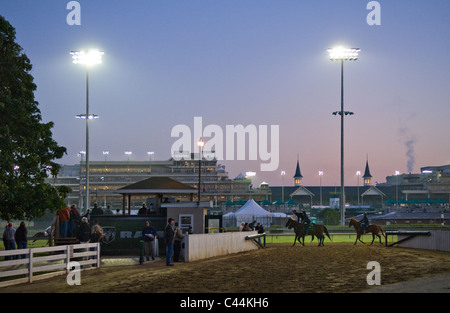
(374, 229)
(301, 232)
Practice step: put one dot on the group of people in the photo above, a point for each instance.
(97, 210)
(88, 233)
(251, 227)
(173, 235)
(13, 237)
(71, 223)
(69, 218)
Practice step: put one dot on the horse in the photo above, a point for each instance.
(372, 228)
(301, 232)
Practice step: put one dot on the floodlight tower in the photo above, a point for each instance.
(87, 59)
(343, 54)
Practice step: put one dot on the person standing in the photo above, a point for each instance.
(85, 231)
(84, 234)
(108, 210)
(21, 238)
(73, 222)
(149, 235)
(177, 243)
(9, 240)
(169, 235)
(64, 217)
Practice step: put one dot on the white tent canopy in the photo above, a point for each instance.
(249, 212)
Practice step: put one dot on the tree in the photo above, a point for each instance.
(27, 149)
(329, 216)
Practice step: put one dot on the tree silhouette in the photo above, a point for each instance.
(27, 149)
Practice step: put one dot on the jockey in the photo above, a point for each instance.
(294, 216)
(364, 222)
(305, 219)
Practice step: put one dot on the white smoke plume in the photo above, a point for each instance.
(409, 140)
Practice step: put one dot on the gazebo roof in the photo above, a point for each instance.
(157, 185)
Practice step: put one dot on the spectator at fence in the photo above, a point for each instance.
(64, 217)
(241, 228)
(143, 210)
(108, 210)
(9, 240)
(97, 210)
(85, 231)
(177, 243)
(96, 228)
(260, 229)
(74, 221)
(246, 227)
(169, 235)
(21, 238)
(148, 235)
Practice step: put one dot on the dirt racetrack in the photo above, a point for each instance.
(280, 268)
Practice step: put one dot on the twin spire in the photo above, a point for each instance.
(298, 174)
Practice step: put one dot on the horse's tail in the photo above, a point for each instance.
(326, 232)
(382, 232)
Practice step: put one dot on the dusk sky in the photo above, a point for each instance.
(249, 62)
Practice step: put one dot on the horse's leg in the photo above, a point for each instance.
(373, 238)
(359, 237)
(295, 239)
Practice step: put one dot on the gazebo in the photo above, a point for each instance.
(157, 186)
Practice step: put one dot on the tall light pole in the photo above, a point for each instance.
(105, 153)
(150, 153)
(343, 54)
(128, 153)
(320, 179)
(80, 201)
(87, 59)
(201, 144)
(396, 187)
(283, 173)
(358, 173)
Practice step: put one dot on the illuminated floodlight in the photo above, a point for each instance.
(89, 58)
(340, 53)
(250, 174)
(90, 116)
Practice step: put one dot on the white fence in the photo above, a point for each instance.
(438, 241)
(203, 246)
(27, 265)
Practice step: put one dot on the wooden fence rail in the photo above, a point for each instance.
(26, 265)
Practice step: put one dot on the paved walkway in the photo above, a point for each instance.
(435, 284)
(120, 261)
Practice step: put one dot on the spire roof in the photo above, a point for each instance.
(367, 171)
(297, 171)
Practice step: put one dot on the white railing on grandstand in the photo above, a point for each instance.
(27, 265)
